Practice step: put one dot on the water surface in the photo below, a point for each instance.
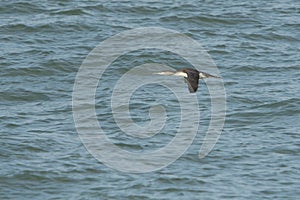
(255, 45)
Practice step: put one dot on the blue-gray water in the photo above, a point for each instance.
(255, 45)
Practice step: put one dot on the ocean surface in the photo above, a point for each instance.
(255, 46)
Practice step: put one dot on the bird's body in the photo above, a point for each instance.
(191, 76)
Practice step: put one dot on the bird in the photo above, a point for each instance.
(190, 75)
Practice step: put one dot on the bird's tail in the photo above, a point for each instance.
(206, 75)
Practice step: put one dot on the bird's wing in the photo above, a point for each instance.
(192, 81)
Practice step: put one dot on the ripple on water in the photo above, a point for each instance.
(255, 44)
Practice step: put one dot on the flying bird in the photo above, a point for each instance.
(190, 75)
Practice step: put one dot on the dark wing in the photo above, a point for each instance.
(192, 80)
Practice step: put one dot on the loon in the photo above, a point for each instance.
(190, 75)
